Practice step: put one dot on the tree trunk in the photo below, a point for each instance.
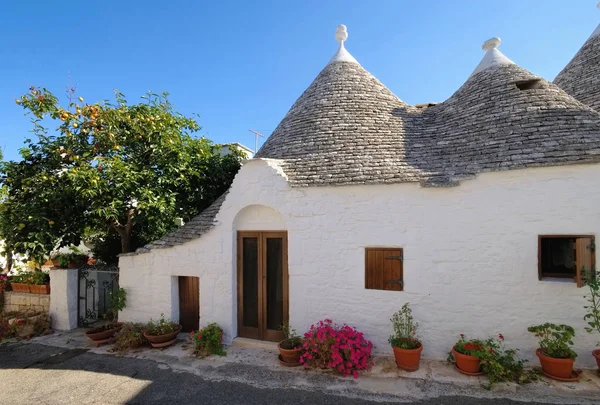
(125, 242)
(125, 232)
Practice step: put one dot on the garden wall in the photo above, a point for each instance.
(26, 302)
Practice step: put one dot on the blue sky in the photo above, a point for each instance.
(241, 65)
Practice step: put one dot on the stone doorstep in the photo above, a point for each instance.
(383, 374)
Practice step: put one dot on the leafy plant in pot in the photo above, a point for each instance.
(464, 354)
(161, 333)
(555, 353)
(405, 343)
(290, 348)
(592, 317)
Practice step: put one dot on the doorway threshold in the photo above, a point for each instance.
(255, 344)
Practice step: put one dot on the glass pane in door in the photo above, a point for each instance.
(274, 270)
(250, 280)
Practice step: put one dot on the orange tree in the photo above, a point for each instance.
(118, 171)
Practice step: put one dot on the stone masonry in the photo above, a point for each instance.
(26, 302)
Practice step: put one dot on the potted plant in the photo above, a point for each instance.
(162, 333)
(405, 343)
(464, 354)
(208, 340)
(555, 353)
(72, 260)
(592, 317)
(39, 282)
(104, 333)
(19, 282)
(290, 348)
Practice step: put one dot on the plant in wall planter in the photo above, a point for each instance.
(592, 317)
(555, 353)
(36, 282)
(290, 348)
(104, 333)
(162, 333)
(208, 340)
(405, 343)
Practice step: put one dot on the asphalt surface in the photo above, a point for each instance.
(38, 374)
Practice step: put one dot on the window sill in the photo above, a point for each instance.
(558, 280)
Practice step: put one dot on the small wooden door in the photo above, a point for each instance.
(262, 284)
(189, 303)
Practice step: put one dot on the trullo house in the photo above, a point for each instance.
(480, 211)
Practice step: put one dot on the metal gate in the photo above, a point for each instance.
(96, 287)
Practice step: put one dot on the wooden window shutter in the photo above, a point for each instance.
(384, 269)
(584, 258)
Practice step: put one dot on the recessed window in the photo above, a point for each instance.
(384, 269)
(565, 256)
(529, 84)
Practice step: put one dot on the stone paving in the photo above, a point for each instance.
(432, 379)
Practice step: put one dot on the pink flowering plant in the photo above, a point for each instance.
(343, 349)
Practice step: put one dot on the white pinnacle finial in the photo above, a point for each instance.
(341, 33)
(491, 43)
(342, 55)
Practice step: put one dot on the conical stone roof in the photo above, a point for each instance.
(343, 129)
(348, 128)
(581, 77)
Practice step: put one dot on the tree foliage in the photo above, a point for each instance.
(108, 169)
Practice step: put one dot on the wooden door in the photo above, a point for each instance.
(189, 303)
(262, 284)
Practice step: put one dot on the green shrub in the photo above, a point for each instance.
(131, 336)
(207, 341)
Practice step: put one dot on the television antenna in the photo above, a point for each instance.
(256, 135)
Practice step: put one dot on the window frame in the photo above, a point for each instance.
(576, 277)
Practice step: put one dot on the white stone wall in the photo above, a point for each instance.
(470, 255)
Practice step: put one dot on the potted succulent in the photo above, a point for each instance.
(464, 353)
(592, 317)
(103, 333)
(208, 340)
(555, 353)
(290, 348)
(405, 343)
(162, 333)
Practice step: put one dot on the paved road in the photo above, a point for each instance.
(38, 374)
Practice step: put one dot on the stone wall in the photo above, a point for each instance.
(26, 302)
(470, 255)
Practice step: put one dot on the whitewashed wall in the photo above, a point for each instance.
(470, 255)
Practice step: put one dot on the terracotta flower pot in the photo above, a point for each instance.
(408, 359)
(20, 287)
(39, 289)
(468, 364)
(561, 368)
(291, 356)
(163, 340)
(596, 354)
(105, 334)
